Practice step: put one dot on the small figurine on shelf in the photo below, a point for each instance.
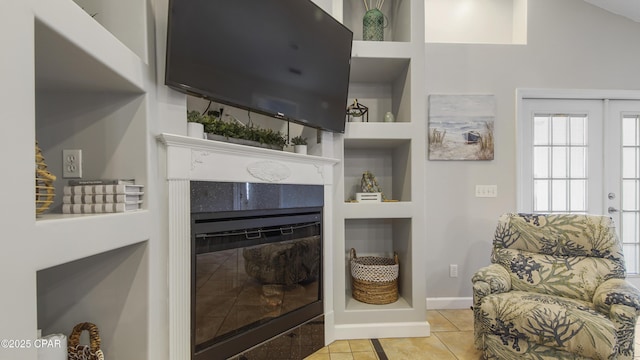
(369, 184)
(357, 112)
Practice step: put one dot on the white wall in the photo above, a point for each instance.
(571, 45)
(475, 21)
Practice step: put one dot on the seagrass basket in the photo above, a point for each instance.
(75, 351)
(374, 280)
(45, 191)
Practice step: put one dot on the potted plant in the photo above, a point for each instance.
(237, 132)
(196, 123)
(299, 144)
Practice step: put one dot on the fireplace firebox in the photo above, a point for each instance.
(256, 264)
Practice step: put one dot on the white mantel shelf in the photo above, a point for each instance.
(211, 160)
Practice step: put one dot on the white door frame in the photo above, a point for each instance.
(559, 94)
(555, 94)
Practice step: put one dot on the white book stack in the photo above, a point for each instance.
(107, 196)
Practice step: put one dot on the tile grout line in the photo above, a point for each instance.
(435, 333)
(446, 346)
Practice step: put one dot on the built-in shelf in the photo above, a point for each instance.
(381, 210)
(390, 56)
(124, 19)
(358, 134)
(353, 305)
(386, 76)
(109, 289)
(78, 82)
(62, 238)
(383, 85)
(389, 164)
(397, 19)
(74, 52)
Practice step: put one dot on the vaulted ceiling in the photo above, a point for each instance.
(626, 8)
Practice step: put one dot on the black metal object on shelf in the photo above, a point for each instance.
(357, 110)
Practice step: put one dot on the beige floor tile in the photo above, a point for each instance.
(460, 343)
(339, 346)
(341, 356)
(365, 356)
(462, 319)
(424, 348)
(439, 322)
(324, 350)
(318, 356)
(361, 346)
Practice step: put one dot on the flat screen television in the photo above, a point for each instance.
(284, 58)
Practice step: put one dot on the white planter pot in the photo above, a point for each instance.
(195, 130)
(300, 149)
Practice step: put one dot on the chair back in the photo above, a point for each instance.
(558, 254)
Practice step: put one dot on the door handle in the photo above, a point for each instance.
(612, 210)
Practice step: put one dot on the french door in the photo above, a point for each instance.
(582, 156)
(622, 174)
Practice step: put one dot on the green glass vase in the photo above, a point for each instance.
(373, 25)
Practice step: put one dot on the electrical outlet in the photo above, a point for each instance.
(72, 164)
(453, 270)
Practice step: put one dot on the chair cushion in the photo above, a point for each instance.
(576, 277)
(569, 325)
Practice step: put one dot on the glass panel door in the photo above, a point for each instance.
(561, 160)
(622, 160)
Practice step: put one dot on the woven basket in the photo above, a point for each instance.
(45, 191)
(374, 280)
(84, 352)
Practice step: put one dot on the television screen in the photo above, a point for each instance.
(284, 58)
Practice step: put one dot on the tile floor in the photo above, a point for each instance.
(451, 339)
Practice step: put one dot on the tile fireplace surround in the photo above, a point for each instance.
(195, 159)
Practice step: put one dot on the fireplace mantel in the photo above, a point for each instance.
(190, 159)
(210, 160)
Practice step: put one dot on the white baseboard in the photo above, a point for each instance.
(382, 330)
(449, 303)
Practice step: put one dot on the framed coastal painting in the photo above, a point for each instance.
(461, 127)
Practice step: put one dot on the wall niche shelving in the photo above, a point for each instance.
(397, 18)
(78, 82)
(386, 76)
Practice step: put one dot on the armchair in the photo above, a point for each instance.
(555, 289)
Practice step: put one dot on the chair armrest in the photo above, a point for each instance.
(496, 276)
(616, 292)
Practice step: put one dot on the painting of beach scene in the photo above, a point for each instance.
(461, 127)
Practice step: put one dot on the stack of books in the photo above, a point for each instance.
(101, 196)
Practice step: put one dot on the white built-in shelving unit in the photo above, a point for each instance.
(385, 76)
(74, 81)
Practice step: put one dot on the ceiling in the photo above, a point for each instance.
(626, 8)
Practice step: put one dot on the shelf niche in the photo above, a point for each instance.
(397, 18)
(387, 160)
(109, 290)
(380, 237)
(383, 85)
(124, 19)
(93, 109)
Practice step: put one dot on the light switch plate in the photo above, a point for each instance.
(486, 190)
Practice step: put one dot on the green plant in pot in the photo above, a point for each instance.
(234, 129)
(299, 144)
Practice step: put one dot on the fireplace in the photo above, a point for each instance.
(256, 264)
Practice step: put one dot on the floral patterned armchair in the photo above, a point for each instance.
(556, 289)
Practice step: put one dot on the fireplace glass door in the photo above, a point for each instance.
(255, 274)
